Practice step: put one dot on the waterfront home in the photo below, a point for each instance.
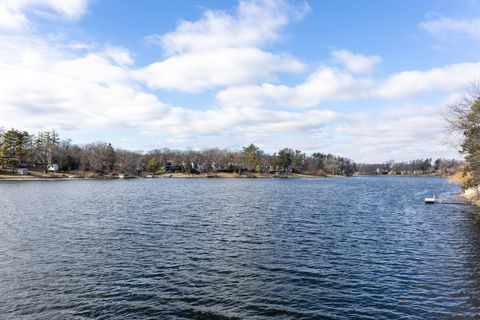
(283, 170)
(22, 171)
(196, 168)
(219, 167)
(265, 169)
(382, 171)
(170, 168)
(228, 167)
(53, 168)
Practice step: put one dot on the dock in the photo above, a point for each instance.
(433, 200)
(430, 200)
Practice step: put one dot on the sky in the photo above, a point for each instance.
(369, 80)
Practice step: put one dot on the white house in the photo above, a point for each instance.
(22, 171)
(53, 168)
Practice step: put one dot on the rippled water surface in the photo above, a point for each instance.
(351, 248)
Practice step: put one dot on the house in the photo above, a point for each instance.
(22, 171)
(283, 170)
(196, 168)
(265, 169)
(223, 167)
(170, 168)
(53, 168)
(382, 171)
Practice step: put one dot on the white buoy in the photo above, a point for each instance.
(430, 200)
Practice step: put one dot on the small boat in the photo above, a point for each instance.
(430, 200)
(150, 176)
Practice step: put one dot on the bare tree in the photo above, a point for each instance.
(464, 121)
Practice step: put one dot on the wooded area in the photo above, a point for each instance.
(20, 149)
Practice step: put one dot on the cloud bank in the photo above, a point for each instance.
(77, 87)
(14, 14)
(448, 27)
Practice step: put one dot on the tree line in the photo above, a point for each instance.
(414, 167)
(22, 149)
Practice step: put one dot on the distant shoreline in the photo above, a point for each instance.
(70, 177)
(166, 176)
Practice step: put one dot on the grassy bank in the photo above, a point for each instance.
(41, 175)
(457, 177)
(225, 175)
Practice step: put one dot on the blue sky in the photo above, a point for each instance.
(365, 79)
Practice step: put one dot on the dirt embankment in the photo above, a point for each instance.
(472, 195)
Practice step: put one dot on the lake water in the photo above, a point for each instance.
(346, 248)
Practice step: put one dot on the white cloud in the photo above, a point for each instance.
(403, 132)
(195, 72)
(222, 49)
(325, 84)
(80, 46)
(356, 63)
(408, 84)
(41, 88)
(446, 27)
(14, 13)
(120, 56)
(251, 121)
(255, 24)
(233, 127)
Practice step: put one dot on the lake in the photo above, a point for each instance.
(340, 248)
